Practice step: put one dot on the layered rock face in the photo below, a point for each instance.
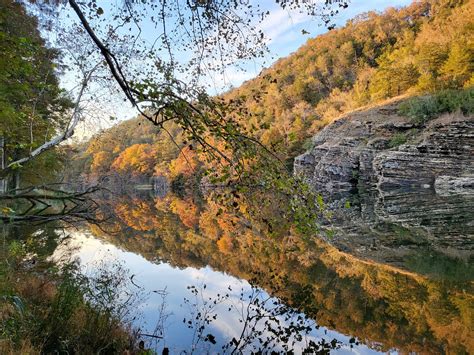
(359, 148)
(417, 177)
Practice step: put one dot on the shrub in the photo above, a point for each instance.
(46, 309)
(422, 109)
(397, 139)
(308, 144)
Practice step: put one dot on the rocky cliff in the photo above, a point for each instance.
(418, 177)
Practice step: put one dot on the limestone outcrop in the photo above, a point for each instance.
(395, 171)
(381, 149)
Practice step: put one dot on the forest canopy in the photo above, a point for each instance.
(33, 107)
(376, 56)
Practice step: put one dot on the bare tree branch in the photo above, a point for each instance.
(67, 133)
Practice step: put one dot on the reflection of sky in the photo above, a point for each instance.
(151, 277)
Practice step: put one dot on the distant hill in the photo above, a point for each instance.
(425, 47)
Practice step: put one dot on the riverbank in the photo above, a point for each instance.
(47, 306)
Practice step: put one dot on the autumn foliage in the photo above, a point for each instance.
(424, 47)
(186, 163)
(138, 159)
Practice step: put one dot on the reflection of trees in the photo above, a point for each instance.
(376, 303)
(48, 203)
(265, 324)
(137, 215)
(186, 210)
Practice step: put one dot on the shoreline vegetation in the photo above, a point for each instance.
(48, 306)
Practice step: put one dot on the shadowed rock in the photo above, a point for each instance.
(401, 178)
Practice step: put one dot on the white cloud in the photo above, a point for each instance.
(280, 22)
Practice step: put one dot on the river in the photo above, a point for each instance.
(209, 281)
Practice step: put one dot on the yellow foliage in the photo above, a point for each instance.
(225, 244)
(186, 210)
(138, 215)
(186, 162)
(208, 225)
(100, 162)
(138, 159)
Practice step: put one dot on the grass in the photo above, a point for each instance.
(44, 309)
(397, 140)
(424, 108)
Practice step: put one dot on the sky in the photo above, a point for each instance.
(283, 31)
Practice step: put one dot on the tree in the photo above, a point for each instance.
(33, 107)
(186, 163)
(395, 75)
(138, 159)
(459, 66)
(210, 35)
(101, 162)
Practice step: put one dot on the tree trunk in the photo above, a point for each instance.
(3, 180)
(17, 180)
(68, 130)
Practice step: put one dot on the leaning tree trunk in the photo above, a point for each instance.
(3, 179)
(17, 180)
(62, 136)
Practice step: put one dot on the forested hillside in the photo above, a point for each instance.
(132, 149)
(423, 48)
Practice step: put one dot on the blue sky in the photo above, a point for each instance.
(285, 32)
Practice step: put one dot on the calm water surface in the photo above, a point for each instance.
(94, 253)
(181, 254)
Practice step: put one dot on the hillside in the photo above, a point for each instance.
(425, 47)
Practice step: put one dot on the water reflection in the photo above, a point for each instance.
(173, 314)
(396, 226)
(385, 307)
(170, 243)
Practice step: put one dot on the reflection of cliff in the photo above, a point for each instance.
(383, 306)
(448, 220)
(396, 224)
(402, 177)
